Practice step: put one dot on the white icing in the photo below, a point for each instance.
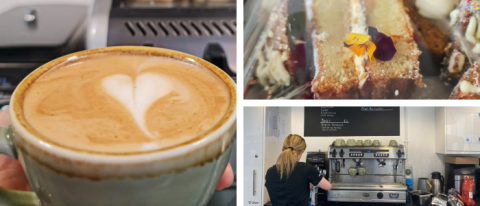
(467, 87)
(458, 58)
(478, 26)
(272, 70)
(277, 70)
(137, 97)
(454, 16)
(471, 30)
(359, 27)
(476, 49)
(435, 9)
(261, 72)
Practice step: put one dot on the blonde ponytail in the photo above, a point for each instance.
(292, 146)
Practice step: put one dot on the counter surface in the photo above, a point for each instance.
(477, 203)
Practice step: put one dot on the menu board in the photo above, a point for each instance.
(351, 121)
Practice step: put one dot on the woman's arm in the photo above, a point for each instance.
(324, 184)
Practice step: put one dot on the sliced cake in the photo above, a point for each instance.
(336, 76)
(343, 32)
(274, 66)
(395, 78)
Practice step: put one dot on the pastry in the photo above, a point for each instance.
(427, 16)
(465, 47)
(469, 85)
(386, 66)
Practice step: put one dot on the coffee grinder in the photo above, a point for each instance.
(319, 161)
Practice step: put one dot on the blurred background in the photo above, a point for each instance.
(34, 32)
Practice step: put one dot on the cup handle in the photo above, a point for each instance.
(13, 197)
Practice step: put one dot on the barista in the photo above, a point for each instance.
(288, 180)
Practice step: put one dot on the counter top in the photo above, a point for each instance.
(477, 203)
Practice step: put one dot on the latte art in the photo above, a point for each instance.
(138, 97)
(125, 103)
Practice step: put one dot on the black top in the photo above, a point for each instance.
(294, 191)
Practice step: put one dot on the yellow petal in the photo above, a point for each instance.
(359, 38)
(348, 43)
(371, 47)
(354, 47)
(358, 49)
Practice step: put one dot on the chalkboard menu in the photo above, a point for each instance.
(351, 121)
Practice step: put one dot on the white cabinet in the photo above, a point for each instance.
(457, 130)
(253, 124)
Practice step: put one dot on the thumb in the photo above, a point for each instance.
(227, 178)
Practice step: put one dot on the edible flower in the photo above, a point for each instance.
(385, 47)
(376, 44)
(359, 43)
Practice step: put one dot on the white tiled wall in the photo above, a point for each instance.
(420, 129)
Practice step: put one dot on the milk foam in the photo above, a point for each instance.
(125, 103)
(138, 97)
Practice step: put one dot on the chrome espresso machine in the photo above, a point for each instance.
(382, 169)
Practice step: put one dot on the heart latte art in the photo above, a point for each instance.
(125, 103)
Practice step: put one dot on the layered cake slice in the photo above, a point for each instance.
(395, 78)
(274, 67)
(335, 76)
(363, 48)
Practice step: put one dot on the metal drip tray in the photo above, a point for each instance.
(369, 186)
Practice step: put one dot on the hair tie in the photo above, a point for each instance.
(290, 148)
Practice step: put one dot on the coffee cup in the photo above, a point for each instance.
(339, 142)
(351, 142)
(367, 143)
(359, 143)
(393, 143)
(352, 172)
(134, 164)
(376, 143)
(361, 171)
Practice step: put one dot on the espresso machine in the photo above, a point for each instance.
(203, 28)
(320, 162)
(383, 179)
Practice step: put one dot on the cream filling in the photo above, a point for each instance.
(476, 49)
(359, 26)
(454, 16)
(458, 58)
(435, 9)
(467, 87)
(271, 70)
(471, 30)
